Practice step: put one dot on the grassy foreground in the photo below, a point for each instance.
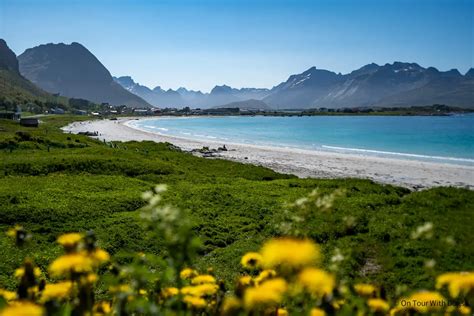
(52, 183)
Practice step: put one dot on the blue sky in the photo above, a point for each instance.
(254, 43)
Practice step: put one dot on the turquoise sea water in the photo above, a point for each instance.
(435, 138)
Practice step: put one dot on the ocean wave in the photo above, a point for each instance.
(381, 152)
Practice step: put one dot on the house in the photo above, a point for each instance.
(10, 115)
(29, 122)
(57, 111)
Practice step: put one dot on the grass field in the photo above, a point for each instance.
(52, 183)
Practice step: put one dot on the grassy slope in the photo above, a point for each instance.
(19, 90)
(82, 184)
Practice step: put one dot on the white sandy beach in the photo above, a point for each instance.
(303, 163)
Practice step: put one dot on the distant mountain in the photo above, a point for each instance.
(13, 86)
(300, 91)
(73, 71)
(8, 59)
(251, 104)
(182, 97)
(397, 84)
(470, 74)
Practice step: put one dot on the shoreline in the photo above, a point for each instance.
(412, 174)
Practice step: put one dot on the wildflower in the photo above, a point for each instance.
(7, 295)
(268, 293)
(246, 280)
(430, 264)
(364, 289)
(458, 283)
(98, 256)
(57, 291)
(22, 308)
(69, 240)
(464, 310)
(71, 263)
(20, 272)
(121, 288)
(378, 305)
(424, 302)
(425, 230)
(19, 234)
(187, 273)
(230, 305)
(317, 312)
(338, 303)
(265, 275)
(251, 260)
(90, 278)
(102, 308)
(194, 301)
(290, 253)
(282, 312)
(168, 292)
(200, 290)
(204, 278)
(317, 282)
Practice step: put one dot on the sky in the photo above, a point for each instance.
(246, 43)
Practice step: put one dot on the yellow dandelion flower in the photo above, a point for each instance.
(265, 275)
(394, 311)
(7, 295)
(206, 289)
(102, 308)
(364, 289)
(187, 273)
(458, 283)
(317, 312)
(290, 253)
(464, 310)
(121, 288)
(99, 256)
(168, 292)
(20, 272)
(12, 232)
(69, 240)
(378, 305)
(71, 263)
(194, 301)
(90, 278)
(57, 291)
(22, 308)
(338, 303)
(251, 260)
(142, 292)
(423, 302)
(268, 293)
(317, 281)
(204, 278)
(230, 305)
(246, 280)
(282, 312)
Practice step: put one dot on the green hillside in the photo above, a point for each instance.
(52, 183)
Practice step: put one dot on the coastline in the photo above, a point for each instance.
(412, 174)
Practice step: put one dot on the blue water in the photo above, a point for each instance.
(436, 138)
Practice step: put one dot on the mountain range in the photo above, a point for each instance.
(219, 95)
(73, 71)
(397, 84)
(391, 85)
